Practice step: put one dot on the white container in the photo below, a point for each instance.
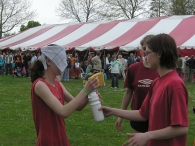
(95, 105)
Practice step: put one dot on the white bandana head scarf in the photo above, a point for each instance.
(57, 55)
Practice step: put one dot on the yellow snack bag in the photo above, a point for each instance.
(100, 77)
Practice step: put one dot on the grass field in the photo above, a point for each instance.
(17, 128)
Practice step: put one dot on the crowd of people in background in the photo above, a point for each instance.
(186, 68)
(17, 63)
(114, 66)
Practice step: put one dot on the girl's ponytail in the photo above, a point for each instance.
(36, 70)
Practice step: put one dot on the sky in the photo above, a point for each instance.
(45, 12)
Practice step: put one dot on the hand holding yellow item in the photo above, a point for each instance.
(100, 77)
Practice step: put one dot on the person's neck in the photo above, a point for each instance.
(49, 78)
(163, 71)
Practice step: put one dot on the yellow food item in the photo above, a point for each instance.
(100, 77)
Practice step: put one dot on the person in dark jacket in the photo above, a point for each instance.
(191, 64)
(26, 61)
(67, 70)
(84, 66)
(130, 59)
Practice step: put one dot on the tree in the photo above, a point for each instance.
(14, 13)
(172, 7)
(159, 8)
(92, 10)
(29, 25)
(22, 27)
(124, 9)
(79, 10)
(183, 7)
(8, 34)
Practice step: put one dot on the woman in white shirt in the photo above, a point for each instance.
(122, 70)
(115, 70)
(77, 69)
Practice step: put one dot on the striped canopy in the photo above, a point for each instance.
(125, 34)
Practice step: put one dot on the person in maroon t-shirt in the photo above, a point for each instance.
(48, 96)
(137, 83)
(166, 104)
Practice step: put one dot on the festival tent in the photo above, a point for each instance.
(124, 34)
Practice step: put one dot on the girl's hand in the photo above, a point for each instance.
(91, 85)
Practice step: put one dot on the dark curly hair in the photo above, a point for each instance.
(36, 70)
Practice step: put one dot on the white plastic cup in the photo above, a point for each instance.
(95, 105)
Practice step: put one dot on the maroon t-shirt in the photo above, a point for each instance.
(138, 79)
(50, 127)
(166, 105)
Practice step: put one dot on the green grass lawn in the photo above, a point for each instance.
(17, 128)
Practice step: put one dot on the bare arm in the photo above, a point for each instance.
(127, 98)
(83, 104)
(133, 115)
(68, 97)
(167, 133)
(141, 139)
(64, 111)
(125, 102)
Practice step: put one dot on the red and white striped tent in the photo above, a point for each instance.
(125, 34)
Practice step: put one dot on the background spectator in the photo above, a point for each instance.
(26, 61)
(1, 65)
(185, 69)
(122, 69)
(97, 66)
(191, 64)
(179, 66)
(130, 59)
(8, 63)
(115, 67)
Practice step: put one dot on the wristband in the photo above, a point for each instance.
(85, 91)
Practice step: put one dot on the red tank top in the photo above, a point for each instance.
(50, 128)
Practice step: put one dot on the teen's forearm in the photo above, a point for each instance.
(133, 115)
(167, 133)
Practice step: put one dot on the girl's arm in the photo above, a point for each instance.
(68, 97)
(64, 111)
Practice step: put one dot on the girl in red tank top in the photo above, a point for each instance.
(48, 96)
